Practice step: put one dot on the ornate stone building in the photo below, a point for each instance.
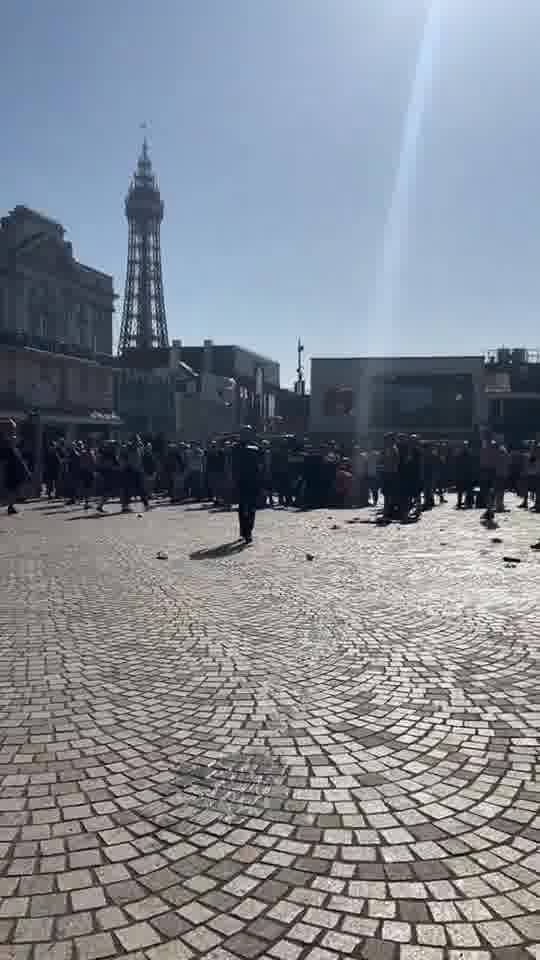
(55, 327)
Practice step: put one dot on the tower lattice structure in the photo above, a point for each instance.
(144, 324)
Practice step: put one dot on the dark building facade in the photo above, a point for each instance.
(513, 393)
(359, 399)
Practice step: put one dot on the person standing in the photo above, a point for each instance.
(107, 471)
(502, 470)
(87, 473)
(132, 475)
(248, 475)
(373, 468)
(390, 476)
(360, 474)
(16, 471)
(53, 468)
(488, 468)
(149, 466)
(465, 476)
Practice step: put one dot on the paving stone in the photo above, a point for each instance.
(48, 905)
(245, 946)
(110, 917)
(138, 936)
(202, 939)
(33, 930)
(96, 946)
(74, 925)
(14, 907)
(53, 951)
(174, 950)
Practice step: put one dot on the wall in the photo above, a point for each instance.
(144, 399)
(208, 411)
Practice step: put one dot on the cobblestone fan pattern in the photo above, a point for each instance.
(244, 754)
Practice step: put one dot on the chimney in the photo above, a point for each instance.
(175, 354)
(208, 346)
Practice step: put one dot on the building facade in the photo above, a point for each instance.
(256, 379)
(359, 399)
(55, 328)
(513, 394)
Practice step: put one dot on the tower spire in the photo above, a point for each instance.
(144, 324)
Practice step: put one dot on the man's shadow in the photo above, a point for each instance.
(224, 550)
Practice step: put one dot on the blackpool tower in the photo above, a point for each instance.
(144, 325)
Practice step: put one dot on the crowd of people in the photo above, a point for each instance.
(407, 476)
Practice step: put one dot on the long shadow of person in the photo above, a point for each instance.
(224, 550)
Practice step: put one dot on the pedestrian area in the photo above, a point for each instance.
(324, 745)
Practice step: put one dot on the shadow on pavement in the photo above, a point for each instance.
(52, 507)
(224, 550)
(99, 516)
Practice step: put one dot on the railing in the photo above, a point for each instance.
(507, 356)
(19, 338)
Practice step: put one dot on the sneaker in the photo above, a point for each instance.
(11, 510)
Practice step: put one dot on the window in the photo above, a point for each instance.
(339, 402)
(269, 406)
(82, 325)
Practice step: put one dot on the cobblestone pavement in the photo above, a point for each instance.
(241, 753)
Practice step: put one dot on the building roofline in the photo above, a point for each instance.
(230, 346)
(22, 208)
(407, 356)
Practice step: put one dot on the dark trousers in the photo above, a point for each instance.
(374, 490)
(465, 488)
(247, 508)
(132, 486)
(487, 489)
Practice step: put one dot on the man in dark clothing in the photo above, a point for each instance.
(16, 471)
(465, 476)
(53, 467)
(247, 469)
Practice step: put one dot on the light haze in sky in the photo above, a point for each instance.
(362, 173)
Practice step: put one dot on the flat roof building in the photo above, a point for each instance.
(362, 398)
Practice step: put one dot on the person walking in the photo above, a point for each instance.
(373, 470)
(16, 471)
(149, 465)
(87, 473)
(465, 476)
(248, 475)
(132, 475)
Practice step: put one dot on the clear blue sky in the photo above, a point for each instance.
(276, 129)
